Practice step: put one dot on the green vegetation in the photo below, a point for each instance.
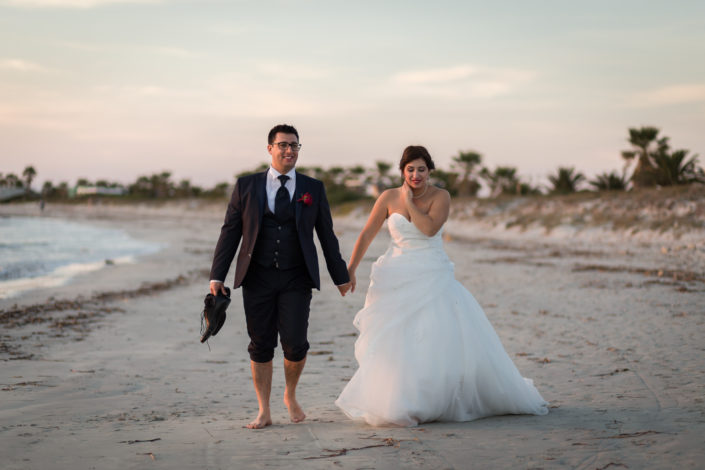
(503, 180)
(158, 186)
(656, 164)
(466, 163)
(609, 182)
(566, 181)
(651, 160)
(676, 209)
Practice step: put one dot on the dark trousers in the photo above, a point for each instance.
(277, 302)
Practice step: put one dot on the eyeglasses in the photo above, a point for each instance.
(283, 145)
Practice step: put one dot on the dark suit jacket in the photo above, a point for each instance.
(244, 218)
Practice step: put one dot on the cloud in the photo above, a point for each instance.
(69, 3)
(444, 75)
(293, 71)
(168, 51)
(173, 52)
(231, 29)
(20, 65)
(270, 94)
(461, 81)
(137, 95)
(150, 91)
(78, 45)
(671, 95)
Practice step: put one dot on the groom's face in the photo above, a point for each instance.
(284, 159)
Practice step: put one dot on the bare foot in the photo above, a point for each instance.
(295, 412)
(263, 420)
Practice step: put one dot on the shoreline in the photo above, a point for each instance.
(60, 276)
(47, 252)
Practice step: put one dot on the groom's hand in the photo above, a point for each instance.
(217, 286)
(344, 288)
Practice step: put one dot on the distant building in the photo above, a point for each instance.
(100, 190)
(7, 193)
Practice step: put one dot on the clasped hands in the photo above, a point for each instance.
(350, 285)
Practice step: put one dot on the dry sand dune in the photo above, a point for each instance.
(107, 371)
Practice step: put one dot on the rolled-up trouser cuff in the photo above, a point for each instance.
(264, 355)
(295, 354)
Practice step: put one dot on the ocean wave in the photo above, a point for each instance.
(40, 252)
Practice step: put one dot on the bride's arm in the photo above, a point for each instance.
(429, 224)
(368, 233)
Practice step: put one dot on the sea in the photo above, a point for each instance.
(40, 252)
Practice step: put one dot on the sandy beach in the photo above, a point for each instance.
(108, 371)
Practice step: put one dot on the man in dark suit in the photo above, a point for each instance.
(274, 213)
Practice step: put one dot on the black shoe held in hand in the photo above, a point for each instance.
(214, 314)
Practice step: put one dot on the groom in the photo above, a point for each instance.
(275, 213)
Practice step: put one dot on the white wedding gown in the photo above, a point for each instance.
(426, 351)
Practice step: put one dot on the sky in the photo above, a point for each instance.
(114, 89)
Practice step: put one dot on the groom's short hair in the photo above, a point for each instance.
(284, 129)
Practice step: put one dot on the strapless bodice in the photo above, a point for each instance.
(407, 237)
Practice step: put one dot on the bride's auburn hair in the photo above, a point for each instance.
(414, 152)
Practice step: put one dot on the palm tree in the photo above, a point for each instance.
(219, 190)
(29, 173)
(353, 179)
(525, 189)
(356, 171)
(336, 174)
(466, 162)
(503, 180)
(382, 176)
(318, 172)
(62, 191)
(566, 181)
(446, 180)
(184, 188)
(47, 189)
(383, 168)
(161, 186)
(646, 143)
(12, 181)
(165, 185)
(675, 168)
(609, 181)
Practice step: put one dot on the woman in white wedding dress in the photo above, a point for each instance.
(426, 351)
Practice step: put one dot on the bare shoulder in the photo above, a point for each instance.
(390, 193)
(383, 203)
(387, 197)
(440, 195)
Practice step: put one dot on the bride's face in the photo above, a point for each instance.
(416, 173)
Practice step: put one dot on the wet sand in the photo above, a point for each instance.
(108, 372)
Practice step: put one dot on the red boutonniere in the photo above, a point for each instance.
(307, 199)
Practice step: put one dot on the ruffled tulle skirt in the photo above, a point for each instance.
(427, 352)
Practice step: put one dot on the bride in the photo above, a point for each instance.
(426, 351)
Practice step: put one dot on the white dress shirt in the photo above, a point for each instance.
(273, 185)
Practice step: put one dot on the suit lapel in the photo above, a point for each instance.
(298, 191)
(261, 196)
